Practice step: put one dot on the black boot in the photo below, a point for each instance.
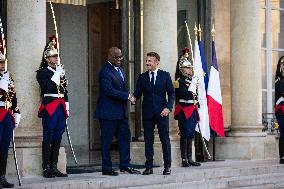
(5, 183)
(189, 154)
(183, 148)
(54, 159)
(47, 172)
(281, 150)
(3, 164)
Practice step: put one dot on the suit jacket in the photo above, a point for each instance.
(154, 98)
(113, 95)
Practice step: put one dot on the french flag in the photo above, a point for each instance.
(203, 109)
(214, 97)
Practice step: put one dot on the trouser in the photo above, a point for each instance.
(163, 130)
(53, 129)
(119, 129)
(6, 132)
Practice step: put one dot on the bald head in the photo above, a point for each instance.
(115, 56)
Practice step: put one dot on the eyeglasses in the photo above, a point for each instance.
(118, 57)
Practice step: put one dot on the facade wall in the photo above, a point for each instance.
(221, 20)
(73, 35)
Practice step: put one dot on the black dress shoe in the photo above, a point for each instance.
(148, 171)
(110, 173)
(57, 173)
(185, 163)
(167, 171)
(4, 183)
(129, 170)
(47, 173)
(193, 163)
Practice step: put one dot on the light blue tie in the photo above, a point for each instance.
(120, 73)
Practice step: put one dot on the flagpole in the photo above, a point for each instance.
(199, 32)
(214, 133)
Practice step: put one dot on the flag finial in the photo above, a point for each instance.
(213, 32)
(195, 32)
(199, 32)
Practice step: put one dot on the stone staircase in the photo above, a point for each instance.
(255, 174)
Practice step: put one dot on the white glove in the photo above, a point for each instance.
(195, 81)
(17, 119)
(60, 70)
(4, 84)
(6, 76)
(192, 88)
(67, 107)
(56, 78)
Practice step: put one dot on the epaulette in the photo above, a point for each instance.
(10, 75)
(176, 83)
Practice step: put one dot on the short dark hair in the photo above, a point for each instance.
(154, 54)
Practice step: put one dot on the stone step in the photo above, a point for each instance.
(266, 181)
(232, 174)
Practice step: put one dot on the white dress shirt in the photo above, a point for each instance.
(155, 75)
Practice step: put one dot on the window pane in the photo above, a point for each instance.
(275, 57)
(273, 97)
(263, 69)
(277, 28)
(264, 102)
(262, 27)
(277, 3)
(262, 3)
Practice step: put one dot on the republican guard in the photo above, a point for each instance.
(9, 116)
(279, 104)
(186, 110)
(54, 109)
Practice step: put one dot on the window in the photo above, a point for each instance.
(272, 43)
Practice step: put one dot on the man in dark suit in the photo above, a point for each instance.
(154, 84)
(112, 113)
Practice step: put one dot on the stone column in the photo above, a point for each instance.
(245, 140)
(160, 35)
(246, 69)
(26, 28)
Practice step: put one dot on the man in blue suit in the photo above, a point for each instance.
(112, 113)
(154, 84)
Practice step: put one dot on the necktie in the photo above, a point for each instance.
(120, 73)
(152, 79)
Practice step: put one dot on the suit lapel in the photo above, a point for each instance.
(147, 77)
(117, 75)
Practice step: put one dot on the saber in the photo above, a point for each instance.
(55, 28)
(15, 158)
(191, 49)
(70, 143)
(59, 62)
(3, 43)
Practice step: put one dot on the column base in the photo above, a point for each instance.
(138, 153)
(246, 131)
(30, 161)
(243, 147)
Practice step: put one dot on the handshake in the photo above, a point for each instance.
(132, 99)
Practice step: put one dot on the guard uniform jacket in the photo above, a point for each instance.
(279, 94)
(186, 101)
(51, 94)
(8, 99)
